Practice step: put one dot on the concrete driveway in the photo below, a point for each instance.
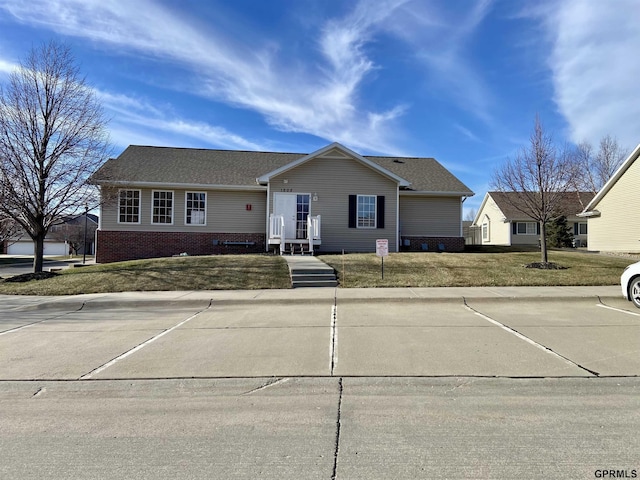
(329, 384)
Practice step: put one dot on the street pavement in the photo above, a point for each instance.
(321, 383)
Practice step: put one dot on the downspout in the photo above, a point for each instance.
(397, 227)
(266, 237)
(462, 200)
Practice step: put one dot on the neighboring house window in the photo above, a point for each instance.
(196, 203)
(129, 203)
(366, 211)
(485, 231)
(526, 228)
(580, 228)
(162, 209)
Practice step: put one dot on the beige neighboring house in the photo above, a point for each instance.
(613, 215)
(501, 223)
(173, 200)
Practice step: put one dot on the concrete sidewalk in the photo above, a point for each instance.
(304, 295)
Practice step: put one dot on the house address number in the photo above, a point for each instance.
(286, 189)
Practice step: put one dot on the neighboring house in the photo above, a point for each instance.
(57, 241)
(613, 215)
(501, 223)
(166, 201)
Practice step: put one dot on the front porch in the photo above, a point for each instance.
(295, 235)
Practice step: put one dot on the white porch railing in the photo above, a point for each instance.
(277, 230)
(313, 230)
(278, 233)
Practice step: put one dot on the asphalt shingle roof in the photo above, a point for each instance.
(190, 166)
(572, 203)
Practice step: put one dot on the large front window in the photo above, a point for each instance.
(129, 206)
(196, 203)
(162, 211)
(366, 211)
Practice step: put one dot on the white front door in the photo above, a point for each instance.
(285, 204)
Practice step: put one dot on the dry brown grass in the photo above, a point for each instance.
(223, 272)
(475, 269)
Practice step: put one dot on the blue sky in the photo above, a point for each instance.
(458, 80)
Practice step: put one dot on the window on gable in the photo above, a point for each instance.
(129, 206)
(366, 211)
(162, 210)
(196, 208)
(485, 231)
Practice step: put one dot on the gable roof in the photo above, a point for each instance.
(589, 209)
(571, 203)
(149, 166)
(340, 151)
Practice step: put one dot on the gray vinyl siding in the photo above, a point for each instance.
(333, 180)
(226, 213)
(430, 216)
(617, 229)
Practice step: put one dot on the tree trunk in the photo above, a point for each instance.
(38, 253)
(543, 243)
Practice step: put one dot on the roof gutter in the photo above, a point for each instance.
(436, 194)
(200, 186)
(589, 214)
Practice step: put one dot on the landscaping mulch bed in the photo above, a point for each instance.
(545, 266)
(27, 277)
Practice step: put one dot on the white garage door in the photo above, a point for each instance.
(55, 248)
(26, 248)
(20, 248)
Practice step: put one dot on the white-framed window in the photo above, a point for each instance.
(128, 206)
(582, 228)
(366, 211)
(162, 207)
(527, 228)
(485, 231)
(195, 208)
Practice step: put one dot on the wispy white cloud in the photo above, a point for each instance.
(136, 121)
(439, 35)
(320, 98)
(7, 67)
(595, 69)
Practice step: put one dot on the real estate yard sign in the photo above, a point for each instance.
(382, 250)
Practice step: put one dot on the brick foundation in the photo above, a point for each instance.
(114, 246)
(451, 244)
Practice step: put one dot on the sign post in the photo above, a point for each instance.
(382, 250)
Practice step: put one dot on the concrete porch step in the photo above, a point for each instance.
(314, 283)
(305, 277)
(308, 271)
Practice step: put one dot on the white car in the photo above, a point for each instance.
(630, 282)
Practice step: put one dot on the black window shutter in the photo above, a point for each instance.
(380, 212)
(514, 228)
(353, 210)
(537, 228)
(575, 229)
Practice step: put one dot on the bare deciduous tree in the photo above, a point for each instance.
(52, 138)
(594, 169)
(74, 231)
(541, 174)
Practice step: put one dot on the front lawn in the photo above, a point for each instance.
(222, 272)
(475, 269)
